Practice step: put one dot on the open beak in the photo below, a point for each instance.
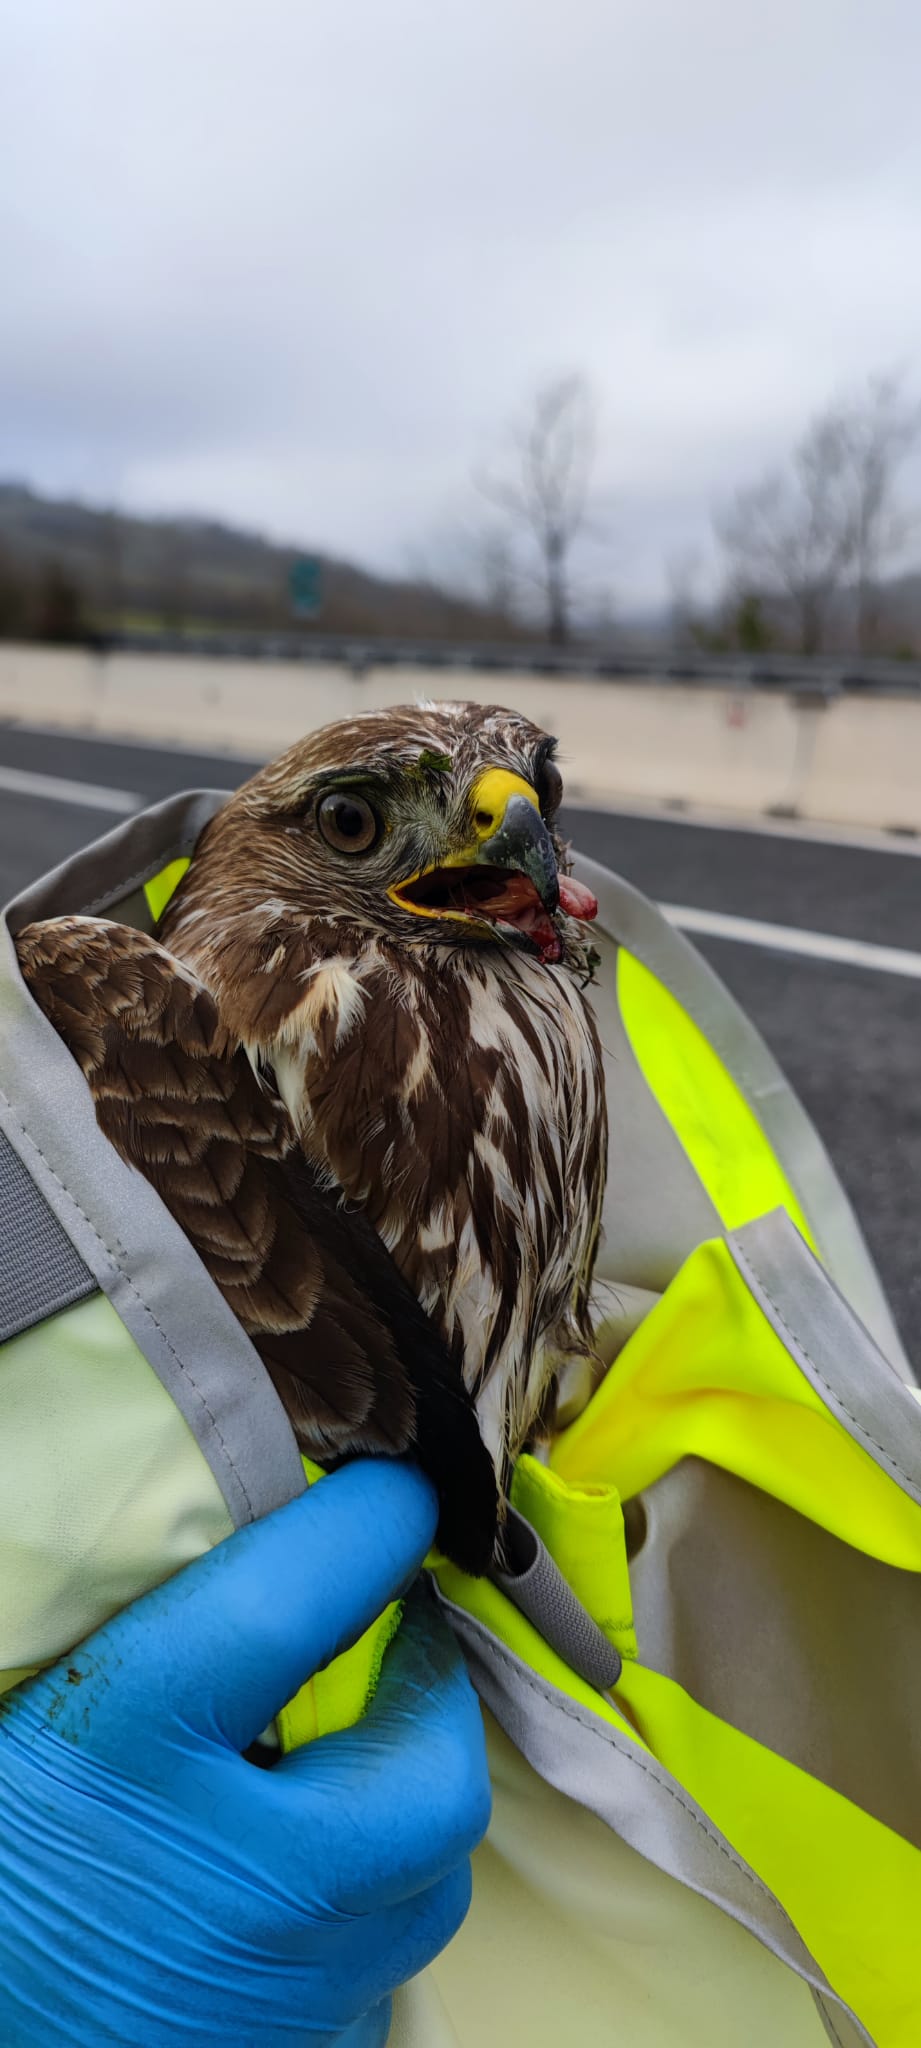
(506, 876)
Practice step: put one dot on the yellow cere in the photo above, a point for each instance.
(490, 798)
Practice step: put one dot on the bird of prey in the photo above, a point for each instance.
(361, 1029)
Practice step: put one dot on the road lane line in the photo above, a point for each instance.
(707, 817)
(788, 938)
(714, 924)
(56, 789)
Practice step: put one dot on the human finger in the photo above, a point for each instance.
(407, 1788)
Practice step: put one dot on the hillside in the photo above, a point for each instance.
(68, 569)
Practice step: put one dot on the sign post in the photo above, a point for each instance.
(305, 586)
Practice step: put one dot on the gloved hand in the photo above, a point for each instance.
(156, 1888)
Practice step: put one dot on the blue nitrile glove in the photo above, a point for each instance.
(155, 1888)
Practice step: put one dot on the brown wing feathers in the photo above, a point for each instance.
(357, 1364)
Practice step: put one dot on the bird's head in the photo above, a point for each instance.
(422, 826)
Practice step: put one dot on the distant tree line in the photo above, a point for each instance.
(809, 552)
(71, 574)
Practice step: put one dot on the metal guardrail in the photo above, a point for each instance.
(815, 675)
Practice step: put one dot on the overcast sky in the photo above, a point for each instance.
(300, 264)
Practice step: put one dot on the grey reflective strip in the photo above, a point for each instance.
(591, 1761)
(840, 2025)
(117, 1224)
(830, 1346)
(640, 926)
(40, 1272)
(538, 1589)
(108, 874)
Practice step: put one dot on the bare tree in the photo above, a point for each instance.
(880, 431)
(791, 536)
(544, 489)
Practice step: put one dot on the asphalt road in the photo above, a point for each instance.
(848, 1036)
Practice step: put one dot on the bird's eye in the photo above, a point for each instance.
(347, 822)
(550, 788)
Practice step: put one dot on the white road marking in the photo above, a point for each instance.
(788, 938)
(714, 924)
(868, 838)
(56, 789)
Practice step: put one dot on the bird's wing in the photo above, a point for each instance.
(357, 1364)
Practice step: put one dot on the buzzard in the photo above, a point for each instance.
(361, 1030)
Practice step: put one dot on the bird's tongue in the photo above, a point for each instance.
(576, 900)
(519, 904)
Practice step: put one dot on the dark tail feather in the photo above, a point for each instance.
(447, 1441)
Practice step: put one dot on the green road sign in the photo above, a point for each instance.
(305, 583)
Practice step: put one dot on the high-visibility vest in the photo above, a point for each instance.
(702, 1680)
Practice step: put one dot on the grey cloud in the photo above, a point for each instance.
(300, 265)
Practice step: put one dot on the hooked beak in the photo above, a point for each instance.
(505, 878)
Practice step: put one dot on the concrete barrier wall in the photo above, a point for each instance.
(850, 760)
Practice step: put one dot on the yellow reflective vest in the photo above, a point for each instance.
(701, 1677)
